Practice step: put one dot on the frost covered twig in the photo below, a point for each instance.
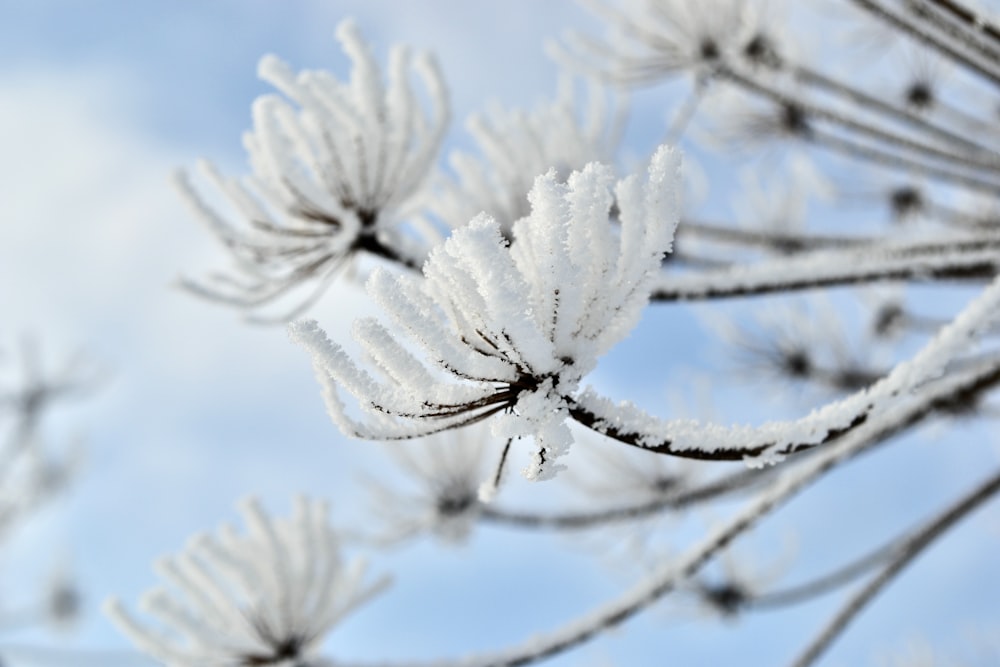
(667, 576)
(962, 259)
(684, 498)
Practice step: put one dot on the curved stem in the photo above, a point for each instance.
(971, 19)
(934, 42)
(687, 110)
(754, 85)
(971, 259)
(775, 440)
(865, 100)
(962, 31)
(908, 551)
(784, 242)
(667, 576)
(740, 481)
(826, 582)
(895, 160)
(376, 247)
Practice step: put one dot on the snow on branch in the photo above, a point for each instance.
(771, 441)
(507, 330)
(336, 166)
(519, 325)
(923, 260)
(671, 573)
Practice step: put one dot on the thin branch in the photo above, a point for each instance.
(875, 104)
(780, 241)
(893, 159)
(829, 581)
(955, 31)
(970, 18)
(740, 481)
(908, 551)
(968, 259)
(668, 575)
(749, 82)
(934, 42)
(823, 425)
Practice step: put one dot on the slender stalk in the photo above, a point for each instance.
(829, 581)
(958, 32)
(907, 553)
(929, 39)
(666, 445)
(968, 17)
(824, 425)
(864, 152)
(973, 259)
(784, 242)
(687, 110)
(757, 86)
(667, 576)
(736, 482)
(862, 99)
(376, 247)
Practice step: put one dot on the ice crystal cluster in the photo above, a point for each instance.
(509, 329)
(267, 597)
(336, 167)
(517, 146)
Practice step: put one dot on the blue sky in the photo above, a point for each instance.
(99, 102)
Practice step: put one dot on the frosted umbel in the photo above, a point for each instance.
(267, 597)
(507, 330)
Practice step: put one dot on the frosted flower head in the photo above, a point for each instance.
(655, 39)
(441, 494)
(336, 166)
(804, 341)
(517, 146)
(509, 330)
(268, 597)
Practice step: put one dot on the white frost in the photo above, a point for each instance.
(270, 594)
(509, 328)
(336, 166)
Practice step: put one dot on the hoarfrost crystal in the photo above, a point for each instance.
(508, 330)
(517, 146)
(336, 167)
(440, 495)
(265, 598)
(653, 40)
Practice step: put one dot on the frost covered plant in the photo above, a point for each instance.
(658, 38)
(509, 330)
(336, 166)
(441, 496)
(268, 597)
(516, 146)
